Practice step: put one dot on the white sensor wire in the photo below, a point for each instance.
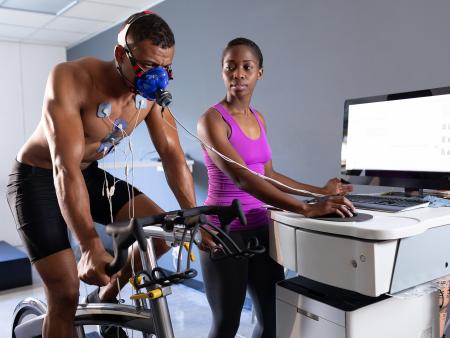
(226, 158)
(110, 190)
(127, 171)
(131, 209)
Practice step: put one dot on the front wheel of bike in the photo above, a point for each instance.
(28, 318)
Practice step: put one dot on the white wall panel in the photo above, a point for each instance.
(24, 73)
(11, 119)
(37, 61)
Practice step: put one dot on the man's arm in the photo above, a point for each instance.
(64, 132)
(163, 132)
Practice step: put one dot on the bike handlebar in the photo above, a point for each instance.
(125, 233)
(123, 238)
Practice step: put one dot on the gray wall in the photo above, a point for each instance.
(317, 54)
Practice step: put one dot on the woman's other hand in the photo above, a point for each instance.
(207, 243)
(335, 186)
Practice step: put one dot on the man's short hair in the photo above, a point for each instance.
(146, 26)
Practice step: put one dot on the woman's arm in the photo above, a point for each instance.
(213, 130)
(334, 186)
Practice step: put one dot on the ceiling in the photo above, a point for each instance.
(63, 22)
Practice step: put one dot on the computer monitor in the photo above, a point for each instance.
(398, 140)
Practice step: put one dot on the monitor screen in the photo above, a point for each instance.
(400, 140)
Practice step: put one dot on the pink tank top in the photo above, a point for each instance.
(222, 190)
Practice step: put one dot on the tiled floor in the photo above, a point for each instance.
(189, 310)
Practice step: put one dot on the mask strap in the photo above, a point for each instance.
(122, 37)
(127, 82)
(137, 70)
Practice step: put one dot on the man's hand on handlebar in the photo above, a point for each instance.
(215, 239)
(91, 267)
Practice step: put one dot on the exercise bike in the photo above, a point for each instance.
(149, 313)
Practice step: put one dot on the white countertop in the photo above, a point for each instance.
(383, 226)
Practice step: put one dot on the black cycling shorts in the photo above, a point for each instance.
(32, 199)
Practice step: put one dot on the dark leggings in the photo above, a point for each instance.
(226, 283)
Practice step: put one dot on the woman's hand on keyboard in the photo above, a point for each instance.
(335, 186)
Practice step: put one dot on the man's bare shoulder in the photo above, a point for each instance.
(83, 70)
(76, 77)
(70, 73)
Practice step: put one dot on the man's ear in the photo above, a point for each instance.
(119, 53)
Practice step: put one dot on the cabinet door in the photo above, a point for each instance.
(282, 244)
(295, 323)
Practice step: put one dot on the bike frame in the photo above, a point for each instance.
(152, 317)
(150, 321)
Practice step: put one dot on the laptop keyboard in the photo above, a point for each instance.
(386, 203)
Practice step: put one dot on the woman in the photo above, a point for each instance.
(237, 130)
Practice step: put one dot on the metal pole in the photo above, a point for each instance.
(79, 332)
(160, 309)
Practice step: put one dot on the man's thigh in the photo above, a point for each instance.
(32, 198)
(139, 206)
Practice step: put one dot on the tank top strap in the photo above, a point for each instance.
(226, 115)
(258, 119)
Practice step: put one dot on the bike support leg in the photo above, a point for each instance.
(79, 332)
(160, 309)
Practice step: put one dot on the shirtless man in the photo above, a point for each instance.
(89, 105)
